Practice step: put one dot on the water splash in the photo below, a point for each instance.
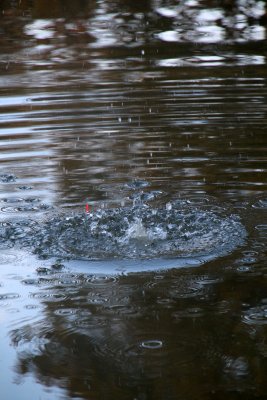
(177, 230)
(138, 232)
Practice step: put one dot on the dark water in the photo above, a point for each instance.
(153, 115)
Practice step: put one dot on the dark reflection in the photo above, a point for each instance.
(40, 9)
(106, 337)
(129, 6)
(60, 8)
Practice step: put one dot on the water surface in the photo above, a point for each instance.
(144, 112)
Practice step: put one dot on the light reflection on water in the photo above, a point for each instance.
(97, 96)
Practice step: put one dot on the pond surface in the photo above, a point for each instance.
(133, 200)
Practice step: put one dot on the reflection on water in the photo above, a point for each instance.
(99, 100)
(87, 334)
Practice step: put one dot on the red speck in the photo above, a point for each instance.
(87, 208)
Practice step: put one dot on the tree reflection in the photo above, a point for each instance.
(143, 336)
(63, 8)
(237, 20)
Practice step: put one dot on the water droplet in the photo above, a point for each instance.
(102, 280)
(152, 344)
(262, 204)
(65, 311)
(236, 367)
(43, 270)
(30, 281)
(6, 178)
(31, 306)
(256, 316)
(9, 296)
(262, 228)
(168, 206)
(48, 296)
